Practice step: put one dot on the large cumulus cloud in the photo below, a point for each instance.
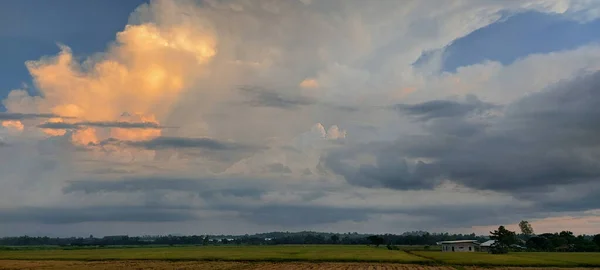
(251, 116)
(538, 145)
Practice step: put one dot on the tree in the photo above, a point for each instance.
(582, 244)
(568, 236)
(335, 239)
(504, 238)
(375, 240)
(526, 228)
(539, 243)
(596, 239)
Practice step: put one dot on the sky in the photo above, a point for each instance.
(236, 116)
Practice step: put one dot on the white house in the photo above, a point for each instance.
(459, 246)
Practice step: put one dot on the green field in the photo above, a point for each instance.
(228, 253)
(560, 259)
(299, 253)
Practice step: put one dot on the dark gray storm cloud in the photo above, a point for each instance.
(94, 214)
(388, 170)
(278, 168)
(205, 187)
(133, 185)
(59, 125)
(222, 194)
(183, 142)
(22, 116)
(301, 215)
(444, 108)
(450, 215)
(218, 155)
(129, 125)
(542, 141)
(122, 124)
(260, 97)
(233, 195)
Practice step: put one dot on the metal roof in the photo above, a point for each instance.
(488, 243)
(459, 241)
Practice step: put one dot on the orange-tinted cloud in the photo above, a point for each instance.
(54, 132)
(85, 136)
(309, 83)
(143, 74)
(126, 134)
(13, 124)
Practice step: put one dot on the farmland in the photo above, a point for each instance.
(278, 257)
(106, 265)
(215, 265)
(329, 253)
(541, 259)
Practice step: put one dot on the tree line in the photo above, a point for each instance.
(272, 238)
(506, 240)
(527, 240)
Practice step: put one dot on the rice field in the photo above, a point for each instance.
(282, 257)
(559, 259)
(155, 265)
(320, 253)
(219, 265)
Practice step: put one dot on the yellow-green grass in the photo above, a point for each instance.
(419, 248)
(298, 253)
(331, 253)
(579, 258)
(513, 259)
(211, 265)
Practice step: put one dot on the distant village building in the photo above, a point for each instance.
(487, 245)
(459, 246)
(225, 240)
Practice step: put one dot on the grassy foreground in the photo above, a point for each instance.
(212, 265)
(221, 265)
(299, 254)
(222, 253)
(540, 259)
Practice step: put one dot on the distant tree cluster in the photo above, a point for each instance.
(119, 240)
(505, 240)
(420, 238)
(273, 238)
(564, 241)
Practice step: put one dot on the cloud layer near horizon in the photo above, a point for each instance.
(237, 116)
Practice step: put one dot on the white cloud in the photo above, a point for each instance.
(182, 65)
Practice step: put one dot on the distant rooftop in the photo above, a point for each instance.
(458, 242)
(488, 243)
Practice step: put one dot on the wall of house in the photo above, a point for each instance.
(459, 247)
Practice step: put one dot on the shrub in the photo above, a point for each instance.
(392, 247)
(498, 249)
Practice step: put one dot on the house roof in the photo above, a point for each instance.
(459, 242)
(488, 243)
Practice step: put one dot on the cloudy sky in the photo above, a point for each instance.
(238, 116)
